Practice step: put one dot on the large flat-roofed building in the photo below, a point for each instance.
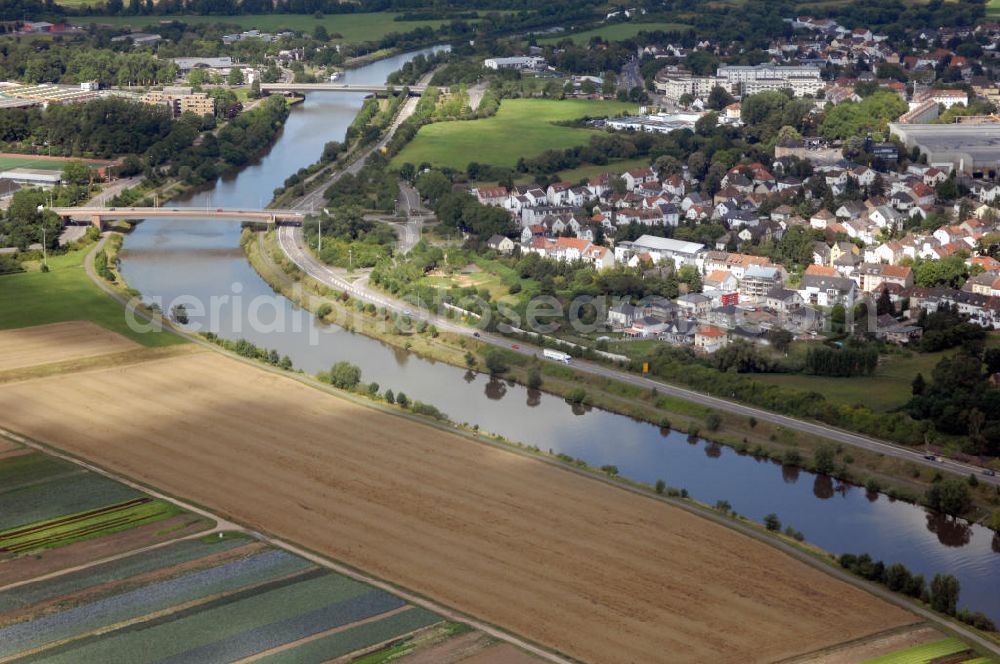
(967, 148)
(661, 248)
(517, 62)
(180, 100)
(800, 79)
(35, 176)
(674, 84)
(187, 64)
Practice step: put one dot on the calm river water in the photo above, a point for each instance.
(176, 257)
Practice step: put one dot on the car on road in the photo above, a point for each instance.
(407, 312)
(930, 457)
(514, 346)
(218, 209)
(990, 472)
(475, 334)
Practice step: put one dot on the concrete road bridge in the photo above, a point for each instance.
(414, 90)
(98, 215)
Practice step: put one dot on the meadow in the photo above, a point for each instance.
(615, 32)
(359, 27)
(66, 293)
(888, 389)
(521, 128)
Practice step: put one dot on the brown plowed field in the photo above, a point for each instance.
(44, 344)
(593, 571)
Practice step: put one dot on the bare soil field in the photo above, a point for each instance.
(582, 567)
(44, 344)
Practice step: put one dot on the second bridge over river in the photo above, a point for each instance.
(98, 215)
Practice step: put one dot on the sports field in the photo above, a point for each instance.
(358, 27)
(9, 161)
(585, 568)
(616, 32)
(521, 128)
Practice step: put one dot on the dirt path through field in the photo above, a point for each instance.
(582, 567)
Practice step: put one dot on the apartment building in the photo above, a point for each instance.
(180, 101)
(801, 79)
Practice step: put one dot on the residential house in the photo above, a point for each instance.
(500, 244)
(757, 281)
(827, 291)
(709, 338)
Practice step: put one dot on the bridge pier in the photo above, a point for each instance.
(97, 221)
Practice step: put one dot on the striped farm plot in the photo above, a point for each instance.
(255, 600)
(927, 653)
(36, 488)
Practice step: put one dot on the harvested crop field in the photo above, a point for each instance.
(44, 344)
(585, 568)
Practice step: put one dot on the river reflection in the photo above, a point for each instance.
(173, 257)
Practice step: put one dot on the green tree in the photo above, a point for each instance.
(945, 589)
(496, 363)
(76, 172)
(950, 496)
(772, 522)
(345, 375)
(235, 76)
(824, 460)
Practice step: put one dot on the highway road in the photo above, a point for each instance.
(291, 241)
(314, 200)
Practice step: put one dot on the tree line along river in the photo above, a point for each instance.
(168, 258)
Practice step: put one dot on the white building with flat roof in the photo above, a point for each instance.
(800, 79)
(517, 62)
(35, 176)
(660, 249)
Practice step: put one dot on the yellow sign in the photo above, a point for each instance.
(645, 367)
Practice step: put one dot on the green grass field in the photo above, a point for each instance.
(521, 128)
(358, 27)
(66, 293)
(993, 8)
(921, 654)
(616, 32)
(888, 389)
(7, 163)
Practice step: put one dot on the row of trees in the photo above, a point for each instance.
(104, 127)
(861, 360)
(941, 594)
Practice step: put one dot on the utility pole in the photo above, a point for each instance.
(45, 257)
(319, 236)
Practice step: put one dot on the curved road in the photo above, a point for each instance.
(291, 241)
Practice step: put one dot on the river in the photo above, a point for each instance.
(202, 262)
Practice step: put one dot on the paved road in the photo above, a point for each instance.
(290, 240)
(315, 200)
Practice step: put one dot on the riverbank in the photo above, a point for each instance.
(878, 473)
(678, 497)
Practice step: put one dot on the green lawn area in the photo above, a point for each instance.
(358, 27)
(616, 32)
(921, 654)
(521, 128)
(889, 388)
(993, 8)
(66, 293)
(494, 276)
(7, 163)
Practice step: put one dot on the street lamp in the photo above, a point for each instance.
(45, 258)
